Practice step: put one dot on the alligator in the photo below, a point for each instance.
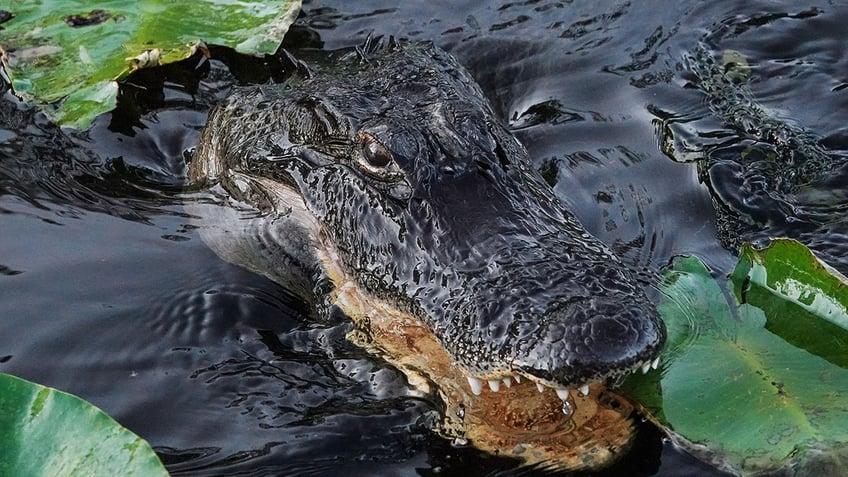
(378, 179)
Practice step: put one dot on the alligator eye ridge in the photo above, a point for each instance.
(373, 151)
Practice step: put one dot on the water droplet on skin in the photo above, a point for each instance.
(568, 408)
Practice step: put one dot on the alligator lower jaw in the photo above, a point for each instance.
(517, 421)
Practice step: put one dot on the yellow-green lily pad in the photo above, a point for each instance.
(805, 300)
(45, 432)
(747, 393)
(67, 55)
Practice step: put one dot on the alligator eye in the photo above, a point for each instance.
(373, 151)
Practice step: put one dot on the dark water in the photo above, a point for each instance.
(107, 292)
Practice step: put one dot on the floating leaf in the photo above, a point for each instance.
(744, 392)
(804, 299)
(45, 432)
(67, 55)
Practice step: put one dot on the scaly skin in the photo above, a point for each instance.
(389, 174)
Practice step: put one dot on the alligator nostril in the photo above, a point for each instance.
(619, 336)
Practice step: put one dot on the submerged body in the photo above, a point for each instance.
(777, 179)
(388, 174)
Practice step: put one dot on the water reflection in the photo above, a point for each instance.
(769, 174)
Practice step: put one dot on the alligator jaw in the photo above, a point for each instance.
(517, 420)
(496, 383)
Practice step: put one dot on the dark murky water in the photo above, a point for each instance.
(106, 291)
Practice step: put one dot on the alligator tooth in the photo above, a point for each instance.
(517, 379)
(495, 385)
(540, 387)
(507, 381)
(476, 385)
(646, 367)
(562, 394)
(655, 362)
(584, 390)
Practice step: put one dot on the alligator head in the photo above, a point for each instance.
(391, 168)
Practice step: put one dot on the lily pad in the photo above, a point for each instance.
(804, 299)
(67, 55)
(732, 386)
(45, 432)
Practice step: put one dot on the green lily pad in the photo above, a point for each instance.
(731, 385)
(45, 432)
(67, 55)
(804, 299)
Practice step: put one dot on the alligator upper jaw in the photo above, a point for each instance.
(280, 196)
(496, 382)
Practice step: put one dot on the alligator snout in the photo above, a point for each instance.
(593, 340)
(566, 312)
